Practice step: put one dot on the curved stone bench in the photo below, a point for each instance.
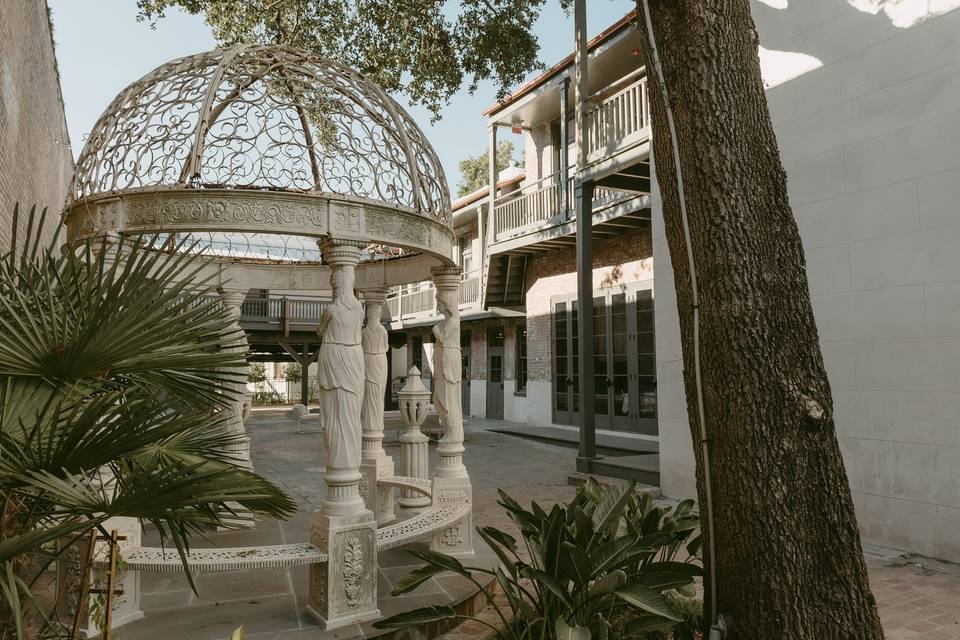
(220, 558)
(423, 525)
(420, 485)
(418, 528)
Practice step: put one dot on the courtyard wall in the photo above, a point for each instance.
(36, 162)
(866, 107)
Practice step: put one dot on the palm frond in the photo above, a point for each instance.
(118, 369)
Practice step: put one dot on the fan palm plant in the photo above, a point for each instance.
(117, 369)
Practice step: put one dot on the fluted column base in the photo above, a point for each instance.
(415, 463)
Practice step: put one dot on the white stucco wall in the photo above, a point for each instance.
(865, 99)
(514, 406)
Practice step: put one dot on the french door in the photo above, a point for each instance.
(495, 373)
(624, 366)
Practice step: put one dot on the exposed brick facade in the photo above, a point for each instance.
(36, 163)
(616, 262)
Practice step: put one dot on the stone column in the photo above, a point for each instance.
(447, 368)
(451, 482)
(415, 454)
(375, 463)
(343, 590)
(232, 300)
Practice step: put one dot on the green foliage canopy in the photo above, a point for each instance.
(421, 48)
(292, 372)
(475, 172)
(257, 372)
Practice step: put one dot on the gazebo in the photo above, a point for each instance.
(291, 171)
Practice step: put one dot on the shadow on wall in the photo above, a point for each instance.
(782, 65)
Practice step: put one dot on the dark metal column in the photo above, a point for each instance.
(585, 330)
(304, 379)
(583, 209)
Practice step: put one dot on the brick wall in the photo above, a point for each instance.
(35, 158)
(616, 261)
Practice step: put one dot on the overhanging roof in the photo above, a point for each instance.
(607, 34)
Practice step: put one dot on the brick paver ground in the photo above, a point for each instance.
(919, 598)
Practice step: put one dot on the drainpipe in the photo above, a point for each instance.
(564, 160)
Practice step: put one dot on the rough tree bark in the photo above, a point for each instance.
(788, 553)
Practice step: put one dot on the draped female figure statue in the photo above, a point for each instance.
(447, 366)
(375, 347)
(340, 376)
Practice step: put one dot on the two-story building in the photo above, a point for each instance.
(517, 249)
(865, 102)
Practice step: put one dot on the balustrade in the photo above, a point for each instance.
(281, 310)
(618, 119)
(422, 300)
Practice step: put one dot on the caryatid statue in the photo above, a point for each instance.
(344, 588)
(451, 481)
(447, 367)
(375, 347)
(232, 300)
(340, 377)
(375, 464)
(447, 371)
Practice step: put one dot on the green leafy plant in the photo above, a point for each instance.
(292, 372)
(611, 564)
(116, 375)
(267, 397)
(257, 372)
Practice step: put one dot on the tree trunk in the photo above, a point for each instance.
(788, 555)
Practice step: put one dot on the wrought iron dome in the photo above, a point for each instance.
(257, 144)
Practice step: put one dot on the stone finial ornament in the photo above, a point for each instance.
(414, 460)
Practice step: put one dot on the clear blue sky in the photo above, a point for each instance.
(101, 48)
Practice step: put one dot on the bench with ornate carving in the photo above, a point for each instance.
(439, 516)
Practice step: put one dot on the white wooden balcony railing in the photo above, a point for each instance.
(470, 289)
(618, 120)
(524, 213)
(532, 205)
(421, 300)
(281, 311)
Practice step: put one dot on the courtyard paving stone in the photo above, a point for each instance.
(919, 598)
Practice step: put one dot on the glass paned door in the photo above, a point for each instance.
(495, 373)
(621, 400)
(646, 359)
(601, 370)
(624, 383)
(566, 377)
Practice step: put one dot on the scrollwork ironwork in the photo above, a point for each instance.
(264, 117)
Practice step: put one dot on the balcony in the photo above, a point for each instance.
(619, 118)
(617, 126)
(420, 302)
(539, 206)
(282, 315)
